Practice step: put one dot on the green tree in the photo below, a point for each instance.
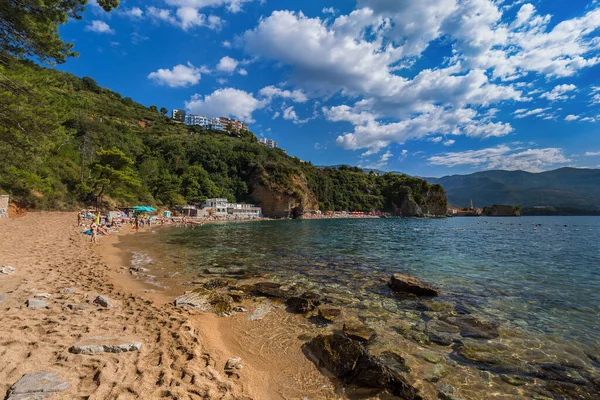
(178, 116)
(153, 109)
(112, 174)
(163, 111)
(29, 28)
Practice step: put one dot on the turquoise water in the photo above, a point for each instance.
(537, 277)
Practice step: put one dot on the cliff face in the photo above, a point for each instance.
(291, 201)
(432, 203)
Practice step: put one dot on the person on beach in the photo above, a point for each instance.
(79, 219)
(94, 230)
(136, 223)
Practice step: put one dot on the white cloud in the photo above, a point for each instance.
(180, 76)
(242, 72)
(329, 10)
(185, 18)
(558, 93)
(290, 115)
(227, 64)
(100, 27)
(380, 163)
(595, 94)
(571, 117)
(504, 157)
(228, 102)
(522, 113)
(276, 115)
(436, 139)
(233, 6)
(134, 13)
(270, 92)
(403, 154)
(592, 153)
(449, 142)
(226, 44)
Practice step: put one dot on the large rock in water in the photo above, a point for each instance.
(402, 283)
(37, 386)
(350, 361)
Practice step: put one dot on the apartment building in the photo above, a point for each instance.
(270, 143)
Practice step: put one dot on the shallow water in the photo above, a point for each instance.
(538, 277)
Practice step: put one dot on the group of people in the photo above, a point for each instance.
(98, 226)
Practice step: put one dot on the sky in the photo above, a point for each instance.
(429, 87)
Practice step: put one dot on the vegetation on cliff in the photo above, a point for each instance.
(65, 141)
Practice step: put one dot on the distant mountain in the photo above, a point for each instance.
(564, 187)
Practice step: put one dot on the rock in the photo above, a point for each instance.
(6, 270)
(402, 283)
(437, 372)
(234, 363)
(271, 289)
(446, 392)
(2, 298)
(329, 313)
(76, 307)
(70, 291)
(303, 304)
(472, 327)
(239, 309)
(215, 284)
(42, 296)
(349, 361)
(357, 332)
(37, 386)
(260, 312)
(103, 301)
(442, 333)
(431, 357)
(193, 300)
(103, 344)
(514, 380)
(36, 303)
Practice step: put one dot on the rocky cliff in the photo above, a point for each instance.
(291, 200)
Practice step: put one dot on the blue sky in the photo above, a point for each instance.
(429, 87)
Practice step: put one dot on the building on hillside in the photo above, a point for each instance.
(219, 207)
(179, 115)
(270, 143)
(232, 124)
(215, 124)
(197, 120)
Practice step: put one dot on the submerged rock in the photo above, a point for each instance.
(350, 361)
(329, 313)
(401, 283)
(37, 386)
(303, 304)
(473, 327)
(359, 333)
(271, 289)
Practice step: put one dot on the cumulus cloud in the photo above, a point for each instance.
(227, 102)
(558, 93)
(329, 10)
(100, 27)
(571, 117)
(185, 18)
(449, 142)
(271, 92)
(134, 13)
(290, 114)
(359, 55)
(179, 76)
(227, 64)
(504, 157)
(233, 6)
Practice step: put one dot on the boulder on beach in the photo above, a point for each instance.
(401, 283)
(303, 304)
(351, 362)
(103, 301)
(358, 332)
(329, 313)
(103, 344)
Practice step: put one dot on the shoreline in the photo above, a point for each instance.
(54, 263)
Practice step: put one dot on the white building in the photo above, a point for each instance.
(270, 143)
(222, 208)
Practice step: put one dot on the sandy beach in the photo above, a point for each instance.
(182, 353)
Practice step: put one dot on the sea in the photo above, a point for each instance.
(531, 284)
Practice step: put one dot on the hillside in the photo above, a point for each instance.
(66, 141)
(564, 187)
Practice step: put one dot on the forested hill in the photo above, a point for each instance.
(65, 141)
(564, 187)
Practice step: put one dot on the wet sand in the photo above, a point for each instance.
(183, 352)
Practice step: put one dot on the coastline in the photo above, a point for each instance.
(183, 352)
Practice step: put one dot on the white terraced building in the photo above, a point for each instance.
(222, 208)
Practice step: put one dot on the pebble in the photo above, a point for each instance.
(37, 386)
(103, 301)
(239, 309)
(36, 303)
(234, 363)
(103, 344)
(77, 307)
(6, 270)
(42, 295)
(70, 291)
